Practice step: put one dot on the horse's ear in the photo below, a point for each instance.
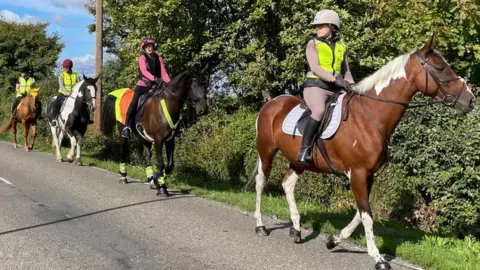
(98, 77)
(429, 46)
(84, 77)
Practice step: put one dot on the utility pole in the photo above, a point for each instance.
(98, 63)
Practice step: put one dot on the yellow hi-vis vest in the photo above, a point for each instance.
(24, 85)
(330, 60)
(69, 80)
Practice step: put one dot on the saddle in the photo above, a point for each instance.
(327, 117)
(141, 104)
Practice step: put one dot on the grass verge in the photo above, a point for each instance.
(415, 246)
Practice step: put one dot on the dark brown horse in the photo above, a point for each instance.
(359, 147)
(158, 123)
(26, 114)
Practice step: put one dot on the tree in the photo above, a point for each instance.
(260, 44)
(26, 46)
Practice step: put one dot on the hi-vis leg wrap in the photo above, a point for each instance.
(123, 169)
(161, 179)
(149, 171)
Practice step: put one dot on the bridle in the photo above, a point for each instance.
(448, 99)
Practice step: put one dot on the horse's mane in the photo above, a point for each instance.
(395, 69)
(180, 76)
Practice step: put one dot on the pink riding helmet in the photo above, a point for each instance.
(147, 41)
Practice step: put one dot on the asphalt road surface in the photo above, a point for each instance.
(60, 216)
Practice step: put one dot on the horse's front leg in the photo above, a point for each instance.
(159, 178)
(57, 143)
(73, 145)
(26, 128)
(170, 148)
(34, 135)
(124, 158)
(146, 154)
(78, 157)
(14, 134)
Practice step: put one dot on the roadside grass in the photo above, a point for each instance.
(415, 246)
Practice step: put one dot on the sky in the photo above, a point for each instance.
(68, 18)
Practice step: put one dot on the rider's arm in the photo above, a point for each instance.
(164, 73)
(61, 83)
(17, 87)
(142, 62)
(312, 59)
(346, 70)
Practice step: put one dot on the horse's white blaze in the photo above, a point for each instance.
(468, 88)
(371, 246)
(260, 184)
(354, 143)
(350, 228)
(289, 187)
(91, 88)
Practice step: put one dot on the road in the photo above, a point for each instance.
(60, 216)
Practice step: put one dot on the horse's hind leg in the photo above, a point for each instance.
(288, 185)
(266, 153)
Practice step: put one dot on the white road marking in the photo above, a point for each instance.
(6, 182)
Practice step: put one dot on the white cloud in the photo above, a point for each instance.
(58, 7)
(86, 63)
(10, 16)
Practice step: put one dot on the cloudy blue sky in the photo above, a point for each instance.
(68, 18)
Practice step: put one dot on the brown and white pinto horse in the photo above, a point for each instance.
(360, 144)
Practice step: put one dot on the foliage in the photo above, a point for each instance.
(26, 46)
(259, 45)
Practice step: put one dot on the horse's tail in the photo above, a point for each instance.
(251, 178)
(108, 121)
(8, 125)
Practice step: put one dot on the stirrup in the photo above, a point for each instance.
(126, 132)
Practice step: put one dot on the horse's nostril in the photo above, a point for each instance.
(472, 102)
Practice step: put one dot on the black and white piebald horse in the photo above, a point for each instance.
(73, 118)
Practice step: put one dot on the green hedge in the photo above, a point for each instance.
(432, 180)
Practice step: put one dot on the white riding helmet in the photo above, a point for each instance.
(327, 16)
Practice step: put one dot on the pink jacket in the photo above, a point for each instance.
(142, 62)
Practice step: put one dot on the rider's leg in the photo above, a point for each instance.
(55, 109)
(14, 106)
(315, 98)
(132, 108)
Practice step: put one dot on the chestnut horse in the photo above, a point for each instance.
(359, 147)
(26, 114)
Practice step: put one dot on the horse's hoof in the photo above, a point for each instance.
(296, 235)
(69, 160)
(261, 231)
(59, 160)
(15, 146)
(123, 180)
(383, 266)
(331, 243)
(163, 191)
(26, 149)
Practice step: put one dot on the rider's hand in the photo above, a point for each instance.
(158, 81)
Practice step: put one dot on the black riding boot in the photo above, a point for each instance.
(127, 131)
(305, 154)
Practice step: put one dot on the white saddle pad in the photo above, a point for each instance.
(295, 114)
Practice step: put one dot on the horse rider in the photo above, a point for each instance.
(327, 62)
(22, 89)
(66, 80)
(152, 72)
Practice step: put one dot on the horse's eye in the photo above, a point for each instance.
(442, 68)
